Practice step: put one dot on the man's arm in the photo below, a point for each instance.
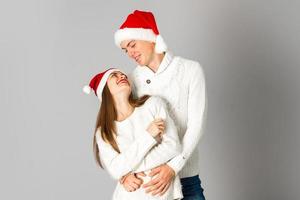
(197, 110)
(197, 105)
(169, 147)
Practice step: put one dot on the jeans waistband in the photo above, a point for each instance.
(190, 180)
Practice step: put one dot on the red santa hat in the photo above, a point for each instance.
(141, 25)
(98, 82)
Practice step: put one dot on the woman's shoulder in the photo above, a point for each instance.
(155, 102)
(98, 134)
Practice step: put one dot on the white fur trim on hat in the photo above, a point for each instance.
(134, 33)
(103, 82)
(160, 45)
(140, 34)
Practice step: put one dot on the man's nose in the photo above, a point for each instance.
(131, 53)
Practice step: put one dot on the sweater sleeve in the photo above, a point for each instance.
(169, 147)
(119, 164)
(197, 109)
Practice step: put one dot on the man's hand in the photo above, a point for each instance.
(160, 184)
(131, 182)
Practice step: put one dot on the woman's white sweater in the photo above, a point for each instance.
(181, 83)
(140, 151)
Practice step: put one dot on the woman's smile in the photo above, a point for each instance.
(122, 81)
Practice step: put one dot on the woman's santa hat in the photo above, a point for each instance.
(98, 82)
(141, 25)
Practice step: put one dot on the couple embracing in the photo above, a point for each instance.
(150, 122)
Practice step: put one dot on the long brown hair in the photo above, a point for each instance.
(105, 120)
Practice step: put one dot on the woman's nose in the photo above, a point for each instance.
(122, 76)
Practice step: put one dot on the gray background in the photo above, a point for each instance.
(250, 53)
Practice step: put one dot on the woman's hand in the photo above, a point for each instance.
(132, 182)
(157, 127)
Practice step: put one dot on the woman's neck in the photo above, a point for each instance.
(123, 108)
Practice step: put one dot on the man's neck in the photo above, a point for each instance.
(156, 61)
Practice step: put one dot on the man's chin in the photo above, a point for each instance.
(141, 63)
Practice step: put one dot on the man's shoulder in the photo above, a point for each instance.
(132, 75)
(187, 67)
(187, 62)
(135, 72)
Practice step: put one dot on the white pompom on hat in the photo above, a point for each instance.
(141, 25)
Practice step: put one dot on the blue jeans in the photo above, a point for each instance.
(191, 188)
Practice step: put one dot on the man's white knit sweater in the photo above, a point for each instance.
(181, 83)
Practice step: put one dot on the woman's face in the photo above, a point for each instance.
(118, 83)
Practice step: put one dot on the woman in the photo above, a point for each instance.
(132, 135)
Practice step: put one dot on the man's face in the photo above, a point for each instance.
(140, 51)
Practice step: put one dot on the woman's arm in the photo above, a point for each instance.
(170, 145)
(119, 164)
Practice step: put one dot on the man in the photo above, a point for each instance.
(181, 83)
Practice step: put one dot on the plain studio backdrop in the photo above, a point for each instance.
(49, 49)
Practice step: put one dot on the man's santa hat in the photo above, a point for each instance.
(141, 25)
(98, 82)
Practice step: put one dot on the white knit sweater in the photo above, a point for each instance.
(181, 83)
(140, 151)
